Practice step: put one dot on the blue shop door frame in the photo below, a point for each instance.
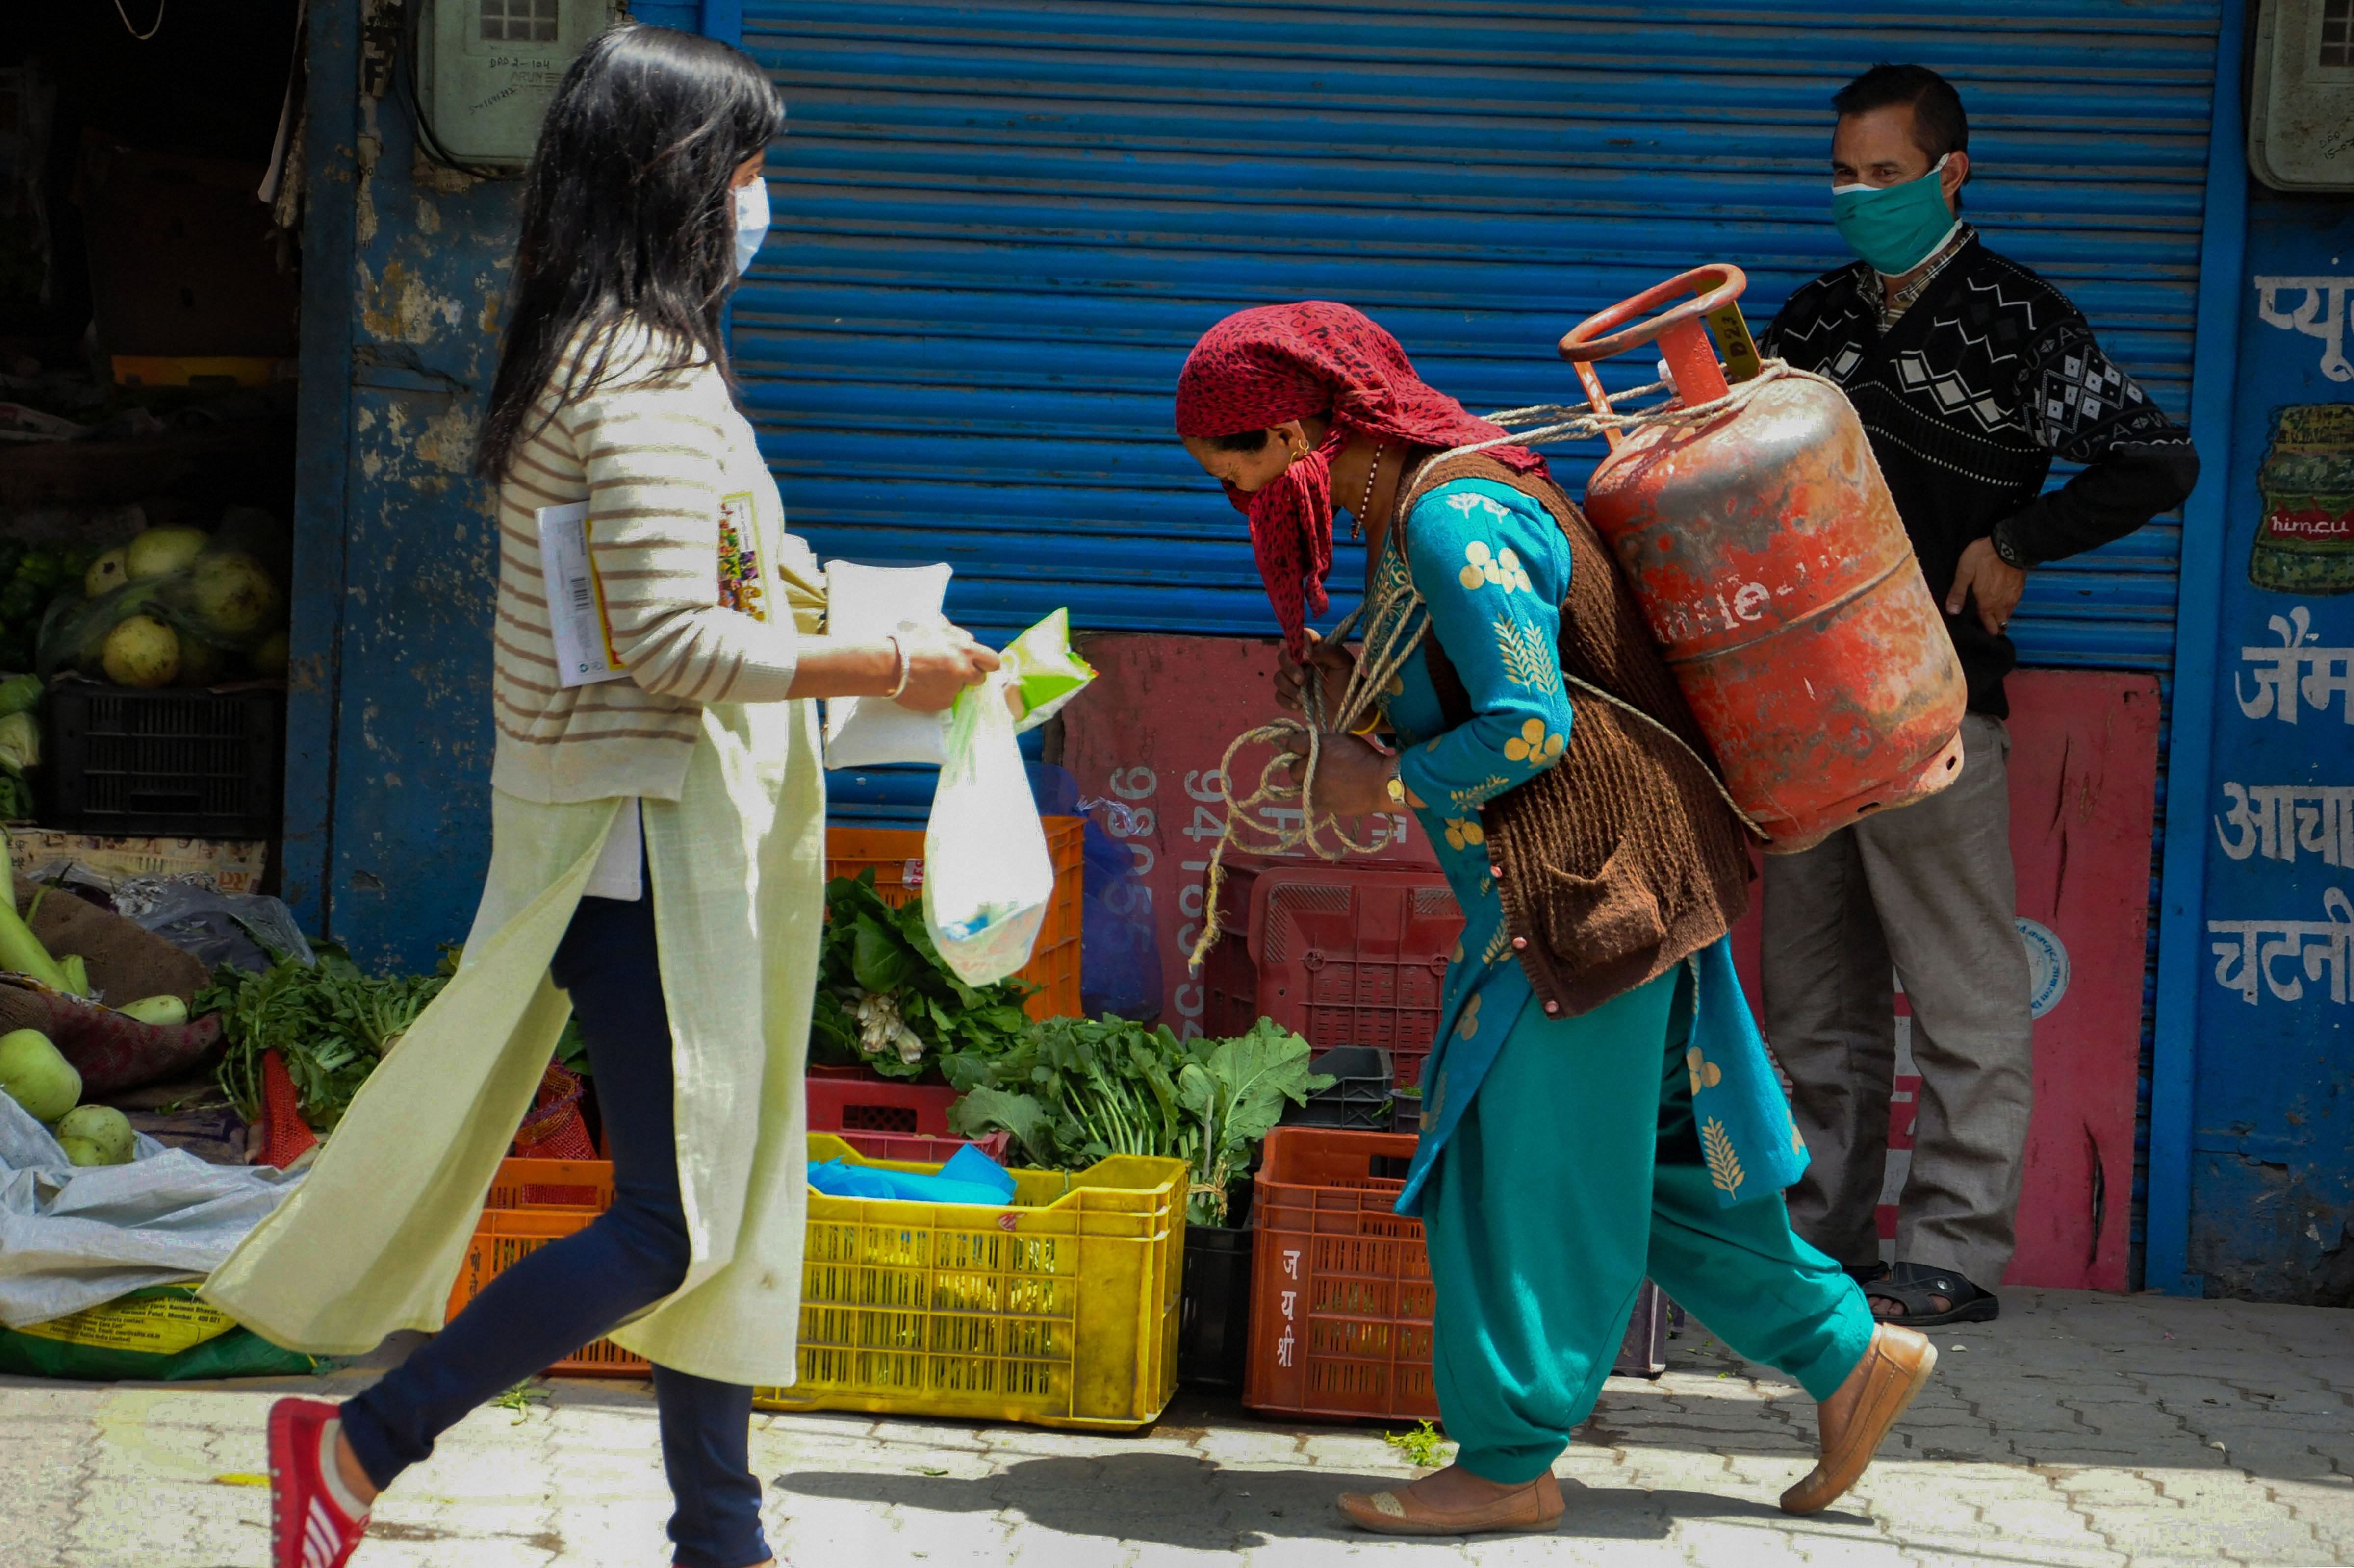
(389, 723)
(2271, 1133)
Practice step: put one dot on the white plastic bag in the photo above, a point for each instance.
(868, 604)
(72, 1237)
(988, 878)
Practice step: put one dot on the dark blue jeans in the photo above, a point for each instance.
(575, 1290)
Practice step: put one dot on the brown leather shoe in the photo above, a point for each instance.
(1895, 1367)
(1536, 1506)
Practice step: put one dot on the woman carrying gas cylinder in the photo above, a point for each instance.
(1598, 1105)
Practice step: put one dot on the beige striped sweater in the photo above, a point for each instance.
(686, 534)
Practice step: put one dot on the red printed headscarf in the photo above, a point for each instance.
(1259, 367)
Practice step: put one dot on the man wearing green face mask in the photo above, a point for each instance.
(1970, 374)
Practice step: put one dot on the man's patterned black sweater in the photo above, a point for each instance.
(1967, 399)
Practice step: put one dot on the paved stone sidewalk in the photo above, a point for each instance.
(2081, 1429)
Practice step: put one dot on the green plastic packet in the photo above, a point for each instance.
(1044, 672)
(161, 1334)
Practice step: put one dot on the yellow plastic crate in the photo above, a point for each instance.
(1058, 1311)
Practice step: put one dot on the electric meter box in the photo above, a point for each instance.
(487, 69)
(2301, 96)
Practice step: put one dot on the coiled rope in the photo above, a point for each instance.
(1255, 824)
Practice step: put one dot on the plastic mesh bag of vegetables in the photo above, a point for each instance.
(176, 606)
(30, 576)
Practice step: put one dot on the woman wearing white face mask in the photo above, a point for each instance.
(657, 854)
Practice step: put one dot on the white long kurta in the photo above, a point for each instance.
(372, 1240)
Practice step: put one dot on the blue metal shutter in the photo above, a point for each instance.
(998, 228)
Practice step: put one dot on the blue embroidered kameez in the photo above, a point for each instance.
(1562, 1157)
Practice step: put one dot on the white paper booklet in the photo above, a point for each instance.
(576, 600)
(866, 604)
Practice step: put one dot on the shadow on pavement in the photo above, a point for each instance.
(1171, 1500)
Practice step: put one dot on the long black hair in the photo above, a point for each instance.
(626, 214)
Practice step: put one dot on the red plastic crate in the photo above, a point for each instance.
(879, 1105)
(1340, 955)
(922, 1148)
(896, 855)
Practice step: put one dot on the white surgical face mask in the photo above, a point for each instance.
(751, 223)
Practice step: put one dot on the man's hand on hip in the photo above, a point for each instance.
(1997, 584)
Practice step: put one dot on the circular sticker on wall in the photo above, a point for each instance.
(2047, 966)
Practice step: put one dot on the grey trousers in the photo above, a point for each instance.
(1928, 891)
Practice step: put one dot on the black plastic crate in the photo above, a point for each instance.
(1359, 1096)
(1214, 1308)
(173, 764)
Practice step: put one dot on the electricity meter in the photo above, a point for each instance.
(487, 69)
(2301, 96)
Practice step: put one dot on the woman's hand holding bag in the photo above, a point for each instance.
(988, 879)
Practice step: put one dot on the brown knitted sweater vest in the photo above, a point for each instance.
(1622, 858)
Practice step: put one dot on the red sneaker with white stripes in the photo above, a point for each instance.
(308, 1527)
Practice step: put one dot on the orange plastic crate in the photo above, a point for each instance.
(1340, 1291)
(896, 855)
(512, 1227)
(1341, 1302)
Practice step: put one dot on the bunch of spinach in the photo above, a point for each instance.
(329, 1023)
(885, 1000)
(1073, 1092)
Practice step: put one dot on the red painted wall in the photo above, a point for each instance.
(2084, 768)
(2084, 782)
(1149, 738)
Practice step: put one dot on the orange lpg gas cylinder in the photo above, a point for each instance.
(1763, 544)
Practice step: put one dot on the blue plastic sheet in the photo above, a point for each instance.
(972, 1177)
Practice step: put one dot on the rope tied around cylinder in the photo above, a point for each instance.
(1538, 424)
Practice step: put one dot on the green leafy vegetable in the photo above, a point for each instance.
(1033, 1126)
(20, 742)
(20, 694)
(1072, 1092)
(1424, 1446)
(330, 1023)
(1235, 1091)
(885, 1000)
(524, 1394)
(29, 583)
(571, 1050)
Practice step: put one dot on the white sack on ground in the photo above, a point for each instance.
(72, 1237)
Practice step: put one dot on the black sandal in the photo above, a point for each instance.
(1865, 1272)
(1914, 1287)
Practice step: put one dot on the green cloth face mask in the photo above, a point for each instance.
(1894, 227)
